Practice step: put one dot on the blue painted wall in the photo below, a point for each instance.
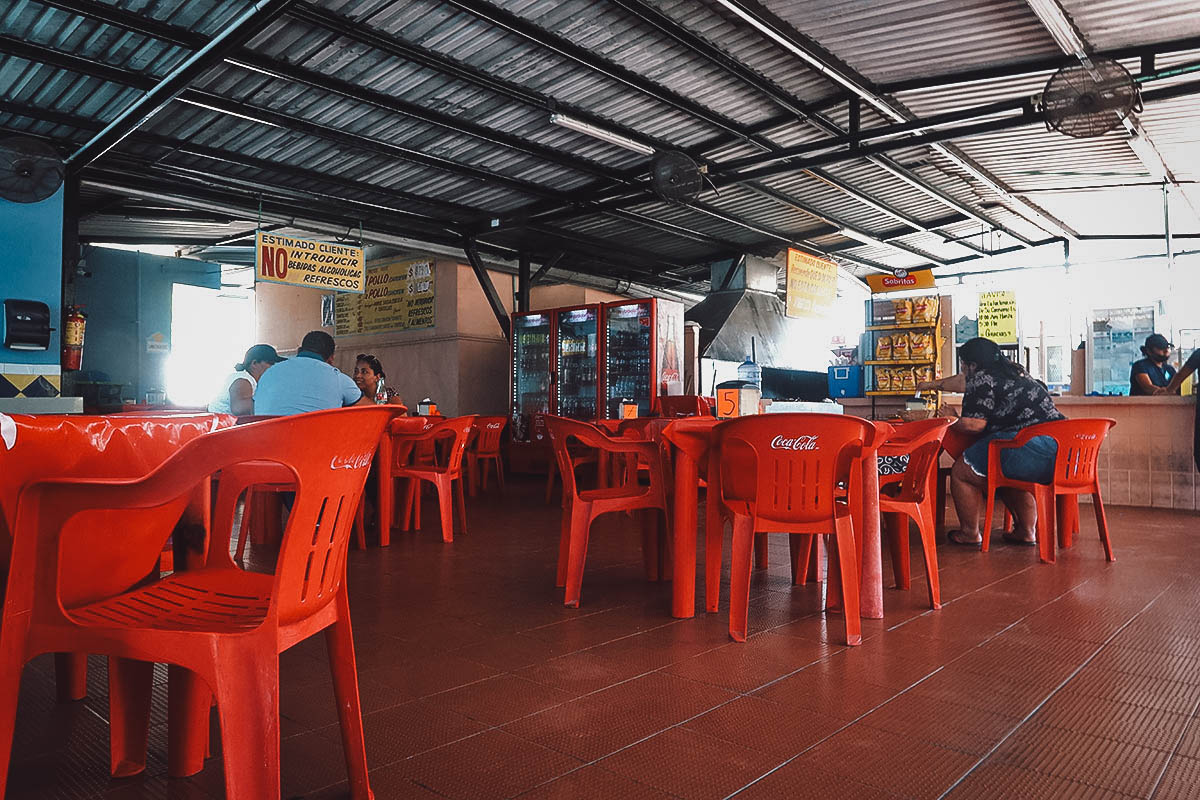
(31, 266)
(128, 300)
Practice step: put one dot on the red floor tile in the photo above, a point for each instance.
(688, 764)
(492, 764)
(454, 640)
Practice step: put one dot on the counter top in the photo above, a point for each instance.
(1100, 400)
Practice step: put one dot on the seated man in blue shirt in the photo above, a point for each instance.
(309, 382)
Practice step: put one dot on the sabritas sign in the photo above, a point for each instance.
(917, 279)
(302, 262)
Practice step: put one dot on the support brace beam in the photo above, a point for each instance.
(489, 288)
(545, 268)
(249, 24)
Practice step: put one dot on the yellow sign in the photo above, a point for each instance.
(998, 317)
(811, 284)
(917, 279)
(399, 297)
(301, 262)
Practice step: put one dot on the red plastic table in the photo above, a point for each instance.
(392, 446)
(691, 438)
(116, 446)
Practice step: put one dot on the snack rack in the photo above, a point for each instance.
(881, 322)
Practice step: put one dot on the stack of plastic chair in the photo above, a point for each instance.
(683, 405)
(914, 499)
(447, 477)
(126, 445)
(225, 624)
(1075, 473)
(786, 473)
(582, 506)
(484, 450)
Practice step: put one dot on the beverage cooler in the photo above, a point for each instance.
(577, 362)
(531, 374)
(643, 354)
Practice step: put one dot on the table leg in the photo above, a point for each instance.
(385, 489)
(687, 481)
(714, 534)
(871, 579)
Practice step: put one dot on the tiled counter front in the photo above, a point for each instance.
(1147, 459)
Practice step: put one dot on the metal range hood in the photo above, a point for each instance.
(744, 303)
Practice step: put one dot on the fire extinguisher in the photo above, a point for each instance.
(75, 322)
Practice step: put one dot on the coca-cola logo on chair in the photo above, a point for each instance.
(795, 443)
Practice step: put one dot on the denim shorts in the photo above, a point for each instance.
(1032, 462)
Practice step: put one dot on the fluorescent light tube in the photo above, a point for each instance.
(586, 128)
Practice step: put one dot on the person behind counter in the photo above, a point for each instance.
(1190, 366)
(999, 399)
(237, 392)
(1152, 372)
(308, 382)
(368, 375)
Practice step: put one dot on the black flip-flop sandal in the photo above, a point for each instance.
(1012, 538)
(954, 537)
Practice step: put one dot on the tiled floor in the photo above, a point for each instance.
(1080, 679)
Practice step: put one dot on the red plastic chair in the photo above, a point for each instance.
(448, 477)
(220, 622)
(1075, 473)
(922, 442)
(785, 473)
(583, 506)
(683, 405)
(486, 450)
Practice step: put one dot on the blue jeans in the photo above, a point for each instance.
(1032, 462)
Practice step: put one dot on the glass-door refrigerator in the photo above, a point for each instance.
(532, 366)
(643, 352)
(577, 362)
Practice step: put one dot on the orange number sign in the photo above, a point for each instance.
(629, 410)
(729, 402)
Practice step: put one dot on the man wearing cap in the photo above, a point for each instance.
(308, 382)
(1152, 372)
(237, 392)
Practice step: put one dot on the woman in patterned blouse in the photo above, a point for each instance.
(1000, 398)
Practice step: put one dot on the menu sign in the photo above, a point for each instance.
(811, 284)
(998, 317)
(399, 296)
(302, 262)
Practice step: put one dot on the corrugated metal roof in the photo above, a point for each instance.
(481, 95)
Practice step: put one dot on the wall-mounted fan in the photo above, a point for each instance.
(30, 170)
(1084, 101)
(676, 177)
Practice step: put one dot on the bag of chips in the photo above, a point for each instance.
(883, 379)
(883, 348)
(925, 309)
(908, 380)
(904, 311)
(900, 348)
(923, 374)
(920, 345)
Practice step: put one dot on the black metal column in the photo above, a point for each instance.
(524, 282)
(489, 289)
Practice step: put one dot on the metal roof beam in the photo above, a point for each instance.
(564, 47)
(775, 30)
(844, 228)
(263, 116)
(173, 145)
(1062, 29)
(250, 60)
(675, 229)
(245, 27)
(1031, 67)
(489, 288)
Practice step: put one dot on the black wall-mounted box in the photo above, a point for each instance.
(26, 325)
